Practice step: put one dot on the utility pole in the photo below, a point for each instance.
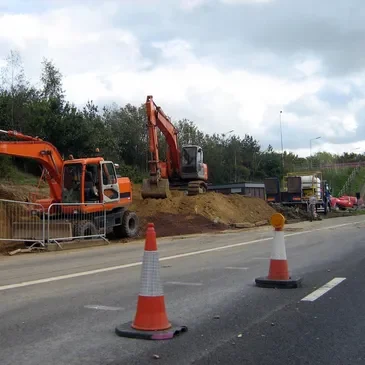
(310, 149)
(282, 148)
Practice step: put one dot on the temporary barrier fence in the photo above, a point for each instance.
(30, 223)
(75, 221)
(22, 222)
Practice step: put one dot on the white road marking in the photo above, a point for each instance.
(187, 254)
(261, 258)
(182, 283)
(103, 307)
(322, 290)
(236, 268)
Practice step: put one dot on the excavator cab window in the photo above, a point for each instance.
(189, 159)
(110, 185)
(72, 175)
(200, 156)
(91, 185)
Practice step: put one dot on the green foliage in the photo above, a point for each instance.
(121, 135)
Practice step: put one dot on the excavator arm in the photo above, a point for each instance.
(157, 186)
(43, 152)
(157, 119)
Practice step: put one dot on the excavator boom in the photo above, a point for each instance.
(43, 152)
(176, 170)
(157, 185)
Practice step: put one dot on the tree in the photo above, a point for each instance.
(51, 79)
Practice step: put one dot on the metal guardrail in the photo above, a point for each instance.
(30, 223)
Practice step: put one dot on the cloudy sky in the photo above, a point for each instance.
(225, 64)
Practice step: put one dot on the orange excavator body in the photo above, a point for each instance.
(183, 167)
(75, 184)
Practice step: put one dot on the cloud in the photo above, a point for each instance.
(192, 4)
(246, 1)
(280, 55)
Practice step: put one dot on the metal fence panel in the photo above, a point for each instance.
(75, 221)
(22, 222)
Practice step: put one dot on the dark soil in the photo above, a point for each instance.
(176, 224)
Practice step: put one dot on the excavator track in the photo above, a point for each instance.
(196, 188)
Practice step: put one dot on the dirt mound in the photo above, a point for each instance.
(225, 209)
(174, 225)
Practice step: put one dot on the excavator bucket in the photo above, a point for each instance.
(159, 190)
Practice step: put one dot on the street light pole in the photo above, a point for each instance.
(281, 135)
(281, 141)
(310, 148)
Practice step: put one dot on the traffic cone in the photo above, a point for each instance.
(150, 321)
(278, 276)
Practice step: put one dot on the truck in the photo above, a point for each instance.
(298, 189)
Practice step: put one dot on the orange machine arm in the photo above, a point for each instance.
(158, 119)
(43, 152)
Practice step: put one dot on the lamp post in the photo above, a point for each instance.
(281, 135)
(281, 142)
(310, 148)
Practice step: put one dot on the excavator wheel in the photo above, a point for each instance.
(159, 190)
(84, 228)
(196, 188)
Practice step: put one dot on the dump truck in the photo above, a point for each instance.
(88, 187)
(183, 169)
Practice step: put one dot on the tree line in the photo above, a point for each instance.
(120, 132)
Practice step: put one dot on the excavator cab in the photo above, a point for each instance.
(192, 165)
(90, 181)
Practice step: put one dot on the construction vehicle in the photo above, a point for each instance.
(298, 189)
(88, 187)
(183, 169)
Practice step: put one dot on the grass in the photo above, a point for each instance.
(17, 177)
(338, 178)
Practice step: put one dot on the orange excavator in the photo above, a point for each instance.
(78, 183)
(182, 168)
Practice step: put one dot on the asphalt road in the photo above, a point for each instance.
(62, 308)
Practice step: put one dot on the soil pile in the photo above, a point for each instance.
(226, 209)
(182, 214)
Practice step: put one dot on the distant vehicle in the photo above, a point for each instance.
(297, 190)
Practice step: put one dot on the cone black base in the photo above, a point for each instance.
(126, 330)
(293, 282)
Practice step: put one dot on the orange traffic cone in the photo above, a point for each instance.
(150, 321)
(278, 276)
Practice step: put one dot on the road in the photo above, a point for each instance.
(62, 307)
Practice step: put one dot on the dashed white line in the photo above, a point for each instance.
(236, 268)
(182, 283)
(104, 307)
(322, 290)
(187, 254)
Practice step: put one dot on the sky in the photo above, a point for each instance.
(224, 64)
